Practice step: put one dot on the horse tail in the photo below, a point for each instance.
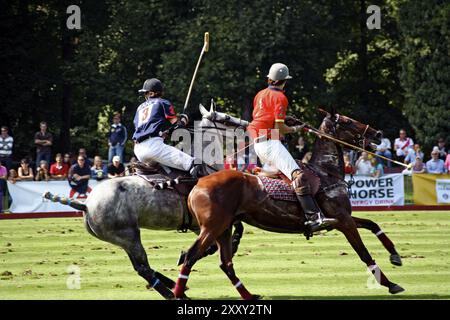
(66, 201)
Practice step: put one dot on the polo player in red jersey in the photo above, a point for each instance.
(269, 112)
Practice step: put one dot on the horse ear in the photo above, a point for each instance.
(213, 106)
(203, 110)
(324, 112)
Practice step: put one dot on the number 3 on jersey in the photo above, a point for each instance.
(144, 115)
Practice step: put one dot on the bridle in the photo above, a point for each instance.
(361, 139)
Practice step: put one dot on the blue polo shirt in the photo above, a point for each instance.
(151, 117)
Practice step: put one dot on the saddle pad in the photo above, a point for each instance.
(278, 189)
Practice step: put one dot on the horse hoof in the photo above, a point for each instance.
(396, 260)
(395, 288)
(256, 297)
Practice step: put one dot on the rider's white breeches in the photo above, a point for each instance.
(155, 149)
(274, 153)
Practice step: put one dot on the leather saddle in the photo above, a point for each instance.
(163, 177)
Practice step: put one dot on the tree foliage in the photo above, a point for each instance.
(74, 79)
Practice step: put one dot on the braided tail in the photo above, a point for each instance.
(66, 201)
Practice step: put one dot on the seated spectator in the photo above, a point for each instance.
(116, 169)
(25, 172)
(99, 170)
(410, 156)
(42, 172)
(348, 168)
(384, 149)
(442, 149)
(59, 170)
(82, 152)
(363, 165)
(229, 163)
(13, 176)
(79, 175)
(418, 151)
(419, 166)
(300, 149)
(447, 163)
(377, 168)
(435, 165)
(401, 144)
(3, 178)
(69, 159)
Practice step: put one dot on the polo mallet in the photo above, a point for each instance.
(204, 49)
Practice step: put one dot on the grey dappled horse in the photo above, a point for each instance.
(117, 208)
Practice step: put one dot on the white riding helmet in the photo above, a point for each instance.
(279, 71)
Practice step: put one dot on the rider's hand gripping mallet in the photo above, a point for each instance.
(204, 49)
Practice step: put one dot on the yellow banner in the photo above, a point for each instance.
(431, 189)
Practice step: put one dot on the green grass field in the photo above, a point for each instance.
(36, 257)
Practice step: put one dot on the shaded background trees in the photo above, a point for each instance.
(394, 77)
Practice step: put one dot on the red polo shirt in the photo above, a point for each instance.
(269, 106)
(59, 171)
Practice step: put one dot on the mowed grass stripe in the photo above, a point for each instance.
(38, 252)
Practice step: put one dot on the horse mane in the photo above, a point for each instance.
(328, 156)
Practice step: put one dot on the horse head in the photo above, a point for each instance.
(349, 130)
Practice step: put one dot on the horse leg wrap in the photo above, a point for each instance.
(156, 284)
(180, 287)
(167, 281)
(242, 290)
(378, 274)
(229, 271)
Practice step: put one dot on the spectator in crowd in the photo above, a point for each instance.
(13, 176)
(99, 170)
(300, 149)
(401, 144)
(116, 168)
(6, 146)
(130, 168)
(447, 163)
(377, 169)
(229, 163)
(79, 175)
(348, 168)
(69, 159)
(363, 165)
(59, 170)
(117, 138)
(3, 178)
(384, 149)
(43, 141)
(413, 153)
(82, 152)
(419, 166)
(25, 172)
(42, 172)
(442, 149)
(435, 165)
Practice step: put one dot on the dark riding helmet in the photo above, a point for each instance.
(153, 85)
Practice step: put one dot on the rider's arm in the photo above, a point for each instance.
(283, 128)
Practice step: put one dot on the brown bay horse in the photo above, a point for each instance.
(222, 198)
